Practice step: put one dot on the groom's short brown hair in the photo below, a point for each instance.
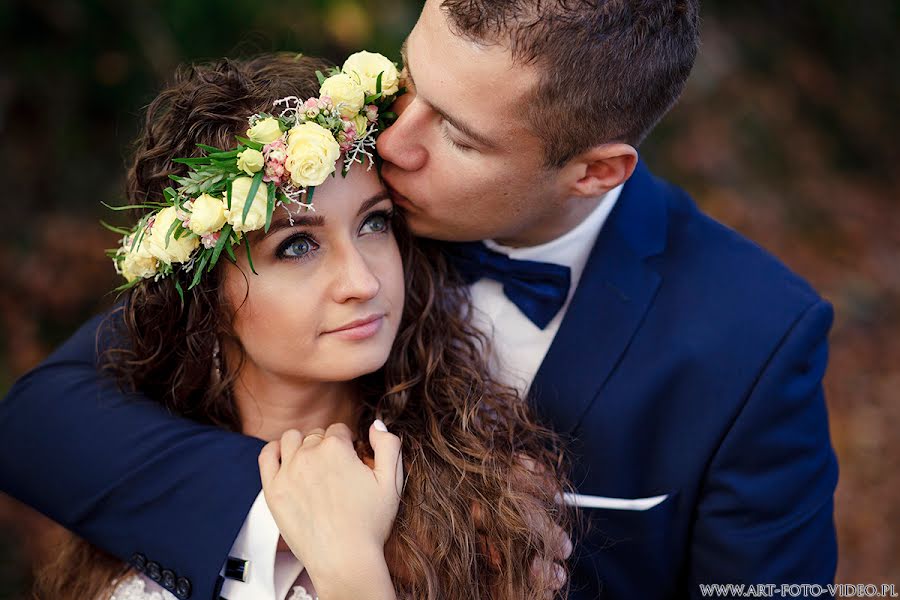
(610, 69)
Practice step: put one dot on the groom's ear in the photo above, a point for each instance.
(601, 168)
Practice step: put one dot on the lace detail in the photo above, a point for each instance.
(298, 592)
(134, 587)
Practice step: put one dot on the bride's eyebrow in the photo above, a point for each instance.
(283, 222)
(377, 198)
(298, 221)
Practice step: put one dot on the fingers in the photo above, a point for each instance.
(341, 431)
(313, 438)
(550, 572)
(291, 440)
(388, 458)
(269, 458)
(563, 543)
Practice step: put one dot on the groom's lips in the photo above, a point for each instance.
(398, 198)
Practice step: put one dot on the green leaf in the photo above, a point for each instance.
(320, 77)
(309, 194)
(223, 154)
(208, 148)
(230, 252)
(127, 286)
(228, 167)
(134, 206)
(224, 237)
(228, 195)
(251, 195)
(270, 206)
(198, 269)
(249, 143)
(172, 227)
(179, 290)
(114, 229)
(378, 83)
(140, 238)
(249, 258)
(200, 160)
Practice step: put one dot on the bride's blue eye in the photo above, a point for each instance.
(298, 246)
(377, 222)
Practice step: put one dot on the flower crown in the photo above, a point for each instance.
(283, 157)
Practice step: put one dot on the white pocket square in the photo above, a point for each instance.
(585, 501)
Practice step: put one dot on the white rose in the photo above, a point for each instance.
(137, 263)
(311, 154)
(166, 248)
(265, 131)
(207, 215)
(256, 218)
(346, 93)
(367, 66)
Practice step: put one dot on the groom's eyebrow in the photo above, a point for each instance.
(457, 124)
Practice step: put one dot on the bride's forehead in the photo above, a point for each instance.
(339, 201)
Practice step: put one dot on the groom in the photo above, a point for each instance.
(683, 362)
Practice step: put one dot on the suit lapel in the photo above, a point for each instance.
(615, 292)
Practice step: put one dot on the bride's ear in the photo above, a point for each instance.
(601, 168)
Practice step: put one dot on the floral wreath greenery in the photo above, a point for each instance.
(284, 156)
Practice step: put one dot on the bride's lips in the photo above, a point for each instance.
(360, 329)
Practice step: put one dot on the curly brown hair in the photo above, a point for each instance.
(461, 430)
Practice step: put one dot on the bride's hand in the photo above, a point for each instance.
(332, 510)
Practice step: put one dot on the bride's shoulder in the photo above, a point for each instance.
(138, 587)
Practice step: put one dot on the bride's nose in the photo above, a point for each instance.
(354, 279)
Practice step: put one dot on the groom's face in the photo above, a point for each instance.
(461, 160)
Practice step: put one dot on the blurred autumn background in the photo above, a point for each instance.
(787, 132)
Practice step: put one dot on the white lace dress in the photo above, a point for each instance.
(140, 587)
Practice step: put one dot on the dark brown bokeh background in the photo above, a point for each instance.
(787, 132)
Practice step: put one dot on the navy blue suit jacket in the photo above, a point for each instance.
(688, 364)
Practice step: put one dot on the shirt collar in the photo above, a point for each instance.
(571, 249)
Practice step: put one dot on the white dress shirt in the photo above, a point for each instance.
(519, 347)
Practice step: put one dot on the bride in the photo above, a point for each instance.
(274, 291)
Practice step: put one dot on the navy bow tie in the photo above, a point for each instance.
(538, 289)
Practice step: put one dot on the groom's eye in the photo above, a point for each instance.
(454, 143)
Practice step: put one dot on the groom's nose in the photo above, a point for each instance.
(400, 143)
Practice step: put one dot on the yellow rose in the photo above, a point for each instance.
(256, 218)
(207, 215)
(137, 263)
(311, 154)
(250, 161)
(346, 93)
(367, 66)
(168, 249)
(265, 131)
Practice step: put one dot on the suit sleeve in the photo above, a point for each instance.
(122, 472)
(765, 514)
